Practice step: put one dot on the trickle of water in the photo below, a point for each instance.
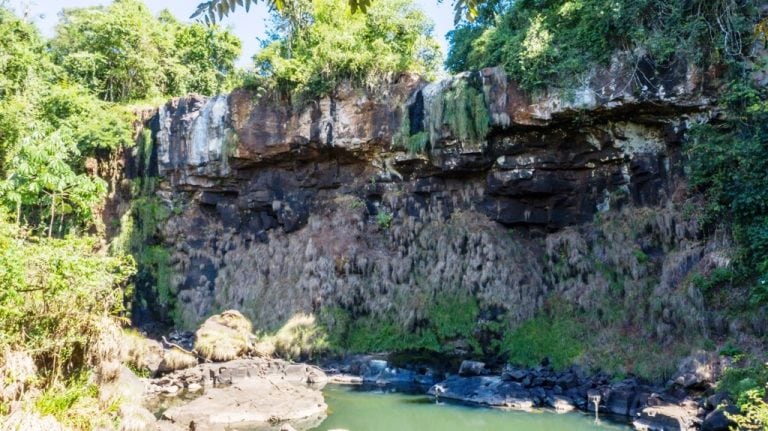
(209, 133)
(203, 146)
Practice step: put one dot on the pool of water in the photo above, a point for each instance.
(363, 409)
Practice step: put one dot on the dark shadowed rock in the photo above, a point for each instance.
(717, 420)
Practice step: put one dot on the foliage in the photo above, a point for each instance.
(393, 37)
(748, 387)
(212, 10)
(739, 380)
(450, 317)
(553, 42)
(754, 411)
(208, 54)
(40, 279)
(554, 335)
(75, 404)
(121, 52)
(727, 162)
(41, 185)
(301, 338)
(384, 219)
(89, 123)
(21, 51)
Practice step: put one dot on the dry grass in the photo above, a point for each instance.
(107, 350)
(224, 337)
(175, 359)
(140, 353)
(30, 421)
(17, 372)
(299, 338)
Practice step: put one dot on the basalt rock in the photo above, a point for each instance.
(414, 191)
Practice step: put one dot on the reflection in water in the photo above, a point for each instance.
(377, 410)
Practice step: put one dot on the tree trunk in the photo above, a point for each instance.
(53, 214)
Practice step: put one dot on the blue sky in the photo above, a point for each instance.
(248, 26)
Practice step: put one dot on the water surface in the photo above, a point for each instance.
(357, 409)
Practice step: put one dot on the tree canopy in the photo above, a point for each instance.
(553, 42)
(333, 44)
(121, 52)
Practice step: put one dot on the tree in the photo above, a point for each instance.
(121, 52)
(42, 185)
(210, 11)
(209, 54)
(394, 36)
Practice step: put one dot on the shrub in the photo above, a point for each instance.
(727, 164)
(300, 338)
(384, 219)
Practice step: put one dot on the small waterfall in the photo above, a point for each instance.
(595, 399)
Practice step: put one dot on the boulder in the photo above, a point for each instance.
(717, 420)
(471, 368)
(668, 417)
(700, 371)
(485, 390)
(513, 373)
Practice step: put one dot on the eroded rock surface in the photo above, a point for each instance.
(254, 392)
(278, 209)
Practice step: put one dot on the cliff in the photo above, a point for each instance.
(391, 211)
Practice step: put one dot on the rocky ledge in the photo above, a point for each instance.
(244, 393)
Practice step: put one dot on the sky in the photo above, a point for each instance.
(247, 26)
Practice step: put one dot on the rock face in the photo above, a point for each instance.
(467, 186)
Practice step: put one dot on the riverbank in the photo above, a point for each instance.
(687, 402)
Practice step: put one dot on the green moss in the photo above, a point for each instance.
(461, 107)
(140, 236)
(418, 143)
(448, 318)
(559, 337)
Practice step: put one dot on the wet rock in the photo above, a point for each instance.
(345, 379)
(485, 390)
(560, 403)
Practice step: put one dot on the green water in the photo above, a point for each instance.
(355, 410)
